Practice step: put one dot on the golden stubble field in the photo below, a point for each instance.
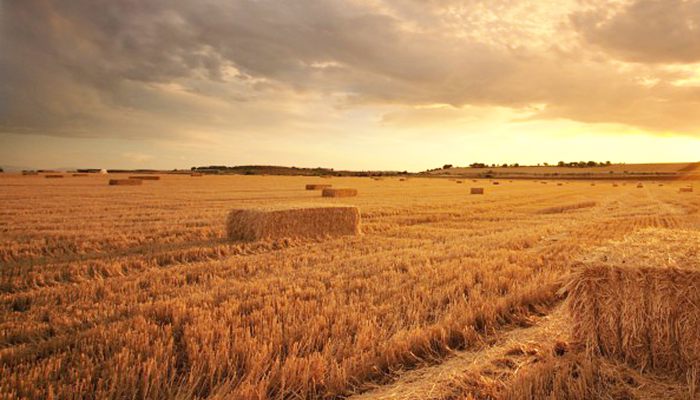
(135, 292)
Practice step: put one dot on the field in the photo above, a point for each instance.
(135, 291)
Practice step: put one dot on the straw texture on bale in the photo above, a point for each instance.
(53, 176)
(146, 177)
(686, 190)
(645, 317)
(316, 186)
(125, 182)
(476, 191)
(292, 222)
(333, 192)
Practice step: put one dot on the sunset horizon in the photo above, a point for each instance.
(376, 84)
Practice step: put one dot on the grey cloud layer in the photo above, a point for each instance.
(164, 68)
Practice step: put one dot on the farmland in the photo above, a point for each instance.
(135, 291)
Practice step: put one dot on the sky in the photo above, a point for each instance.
(347, 84)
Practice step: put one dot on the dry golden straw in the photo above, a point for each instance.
(476, 191)
(316, 186)
(686, 190)
(333, 192)
(53, 176)
(567, 207)
(292, 222)
(146, 177)
(646, 317)
(125, 182)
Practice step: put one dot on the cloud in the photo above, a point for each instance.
(190, 69)
(646, 31)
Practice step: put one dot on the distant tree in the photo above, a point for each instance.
(608, 163)
(591, 164)
(545, 164)
(561, 164)
(505, 165)
(477, 165)
(516, 165)
(447, 166)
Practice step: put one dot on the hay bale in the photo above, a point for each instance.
(615, 185)
(592, 184)
(476, 190)
(80, 175)
(146, 177)
(125, 182)
(317, 186)
(53, 176)
(560, 184)
(639, 185)
(496, 183)
(402, 179)
(646, 317)
(295, 222)
(685, 190)
(458, 181)
(333, 192)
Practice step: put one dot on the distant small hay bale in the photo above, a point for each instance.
(685, 190)
(474, 180)
(146, 177)
(639, 185)
(80, 175)
(496, 183)
(125, 182)
(402, 179)
(292, 222)
(646, 317)
(560, 184)
(458, 181)
(615, 185)
(661, 184)
(334, 192)
(53, 176)
(592, 184)
(317, 186)
(476, 190)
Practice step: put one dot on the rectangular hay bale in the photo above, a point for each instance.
(645, 317)
(317, 186)
(53, 176)
(686, 190)
(476, 190)
(125, 182)
(336, 192)
(80, 175)
(292, 222)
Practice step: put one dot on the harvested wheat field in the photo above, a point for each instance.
(248, 287)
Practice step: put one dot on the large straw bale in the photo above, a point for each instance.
(125, 182)
(646, 317)
(336, 192)
(316, 186)
(146, 177)
(475, 190)
(686, 190)
(293, 222)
